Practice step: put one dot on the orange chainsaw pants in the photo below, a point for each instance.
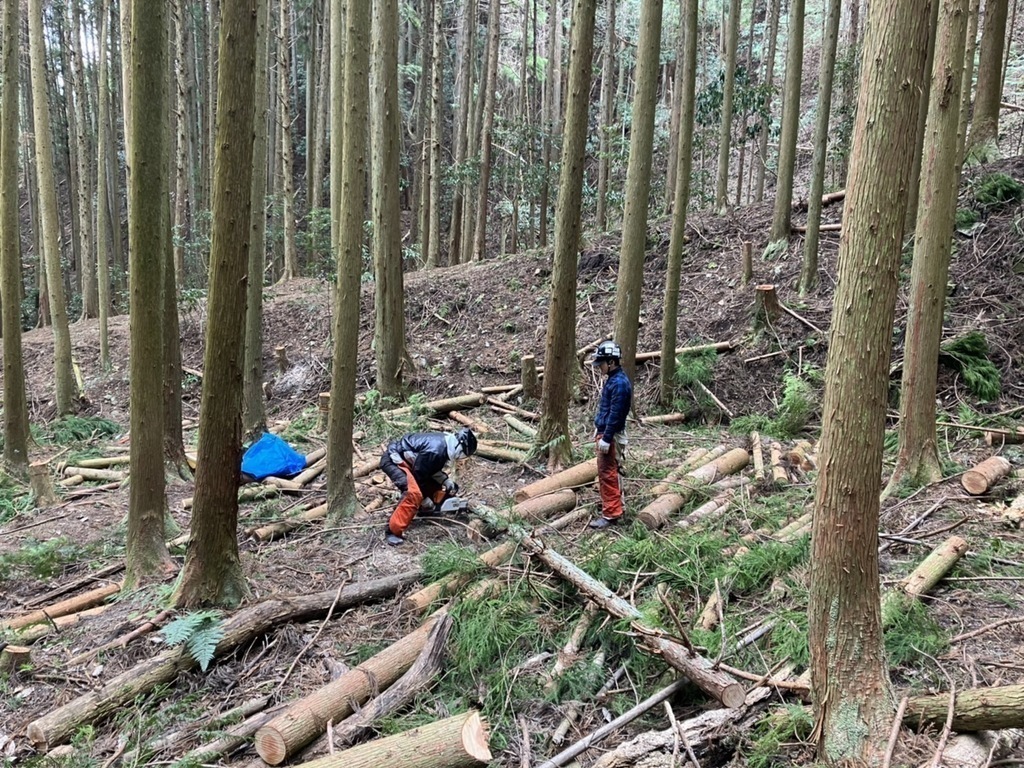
(410, 502)
(608, 482)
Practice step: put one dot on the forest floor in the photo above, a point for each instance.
(468, 327)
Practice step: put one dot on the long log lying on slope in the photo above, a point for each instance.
(658, 512)
(418, 678)
(699, 670)
(67, 607)
(578, 475)
(455, 742)
(418, 602)
(307, 718)
(440, 406)
(56, 726)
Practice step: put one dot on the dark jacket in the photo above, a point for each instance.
(616, 400)
(426, 453)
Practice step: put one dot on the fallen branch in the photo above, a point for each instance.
(72, 605)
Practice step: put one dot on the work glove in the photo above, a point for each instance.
(603, 446)
(451, 488)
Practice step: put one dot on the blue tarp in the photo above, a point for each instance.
(270, 455)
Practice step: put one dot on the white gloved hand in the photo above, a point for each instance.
(451, 487)
(603, 446)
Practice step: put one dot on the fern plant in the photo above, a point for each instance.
(199, 632)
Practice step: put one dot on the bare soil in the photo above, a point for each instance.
(467, 327)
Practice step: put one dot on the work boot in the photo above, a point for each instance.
(391, 539)
(600, 523)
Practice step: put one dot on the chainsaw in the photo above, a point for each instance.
(453, 505)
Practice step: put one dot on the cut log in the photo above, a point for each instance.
(779, 474)
(657, 513)
(980, 479)
(975, 709)
(95, 474)
(514, 445)
(520, 426)
(498, 389)
(41, 483)
(13, 658)
(708, 510)
(418, 602)
(478, 427)
(574, 477)
(323, 411)
(676, 478)
(923, 578)
(570, 651)
(250, 493)
(455, 742)
(718, 346)
(58, 725)
(64, 607)
(766, 307)
(997, 438)
(502, 406)
(71, 586)
(758, 454)
(665, 418)
(307, 718)
(417, 679)
(30, 634)
(281, 358)
(494, 453)
(530, 379)
(435, 407)
(298, 482)
(272, 531)
(699, 670)
(104, 462)
(233, 738)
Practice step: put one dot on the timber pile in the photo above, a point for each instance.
(658, 512)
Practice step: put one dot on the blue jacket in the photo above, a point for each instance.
(616, 400)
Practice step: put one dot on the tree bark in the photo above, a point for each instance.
(725, 129)
(853, 705)
(769, 82)
(64, 380)
(830, 41)
(985, 123)
(490, 86)
(917, 459)
(16, 425)
(348, 201)
(790, 124)
(212, 574)
(638, 185)
(58, 725)
(607, 117)
(389, 298)
(284, 126)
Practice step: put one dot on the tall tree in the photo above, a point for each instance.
(422, 199)
(790, 125)
(463, 123)
(254, 418)
(16, 427)
(922, 116)
(77, 96)
(105, 232)
(769, 82)
(728, 86)
(849, 676)
(146, 553)
(389, 299)
(638, 185)
(348, 200)
(64, 378)
(985, 123)
(684, 160)
(917, 460)
(284, 126)
(829, 44)
(607, 116)
(560, 345)
(490, 88)
(212, 573)
(433, 256)
(967, 77)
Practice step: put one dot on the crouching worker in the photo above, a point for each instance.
(416, 465)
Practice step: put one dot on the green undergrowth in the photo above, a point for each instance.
(786, 724)
(15, 499)
(74, 429)
(969, 355)
(42, 559)
(798, 404)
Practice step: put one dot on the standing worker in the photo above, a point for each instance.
(416, 463)
(610, 431)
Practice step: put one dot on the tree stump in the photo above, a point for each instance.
(323, 411)
(747, 262)
(980, 479)
(766, 307)
(529, 378)
(281, 358)
(13, 657)
(42, 484)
